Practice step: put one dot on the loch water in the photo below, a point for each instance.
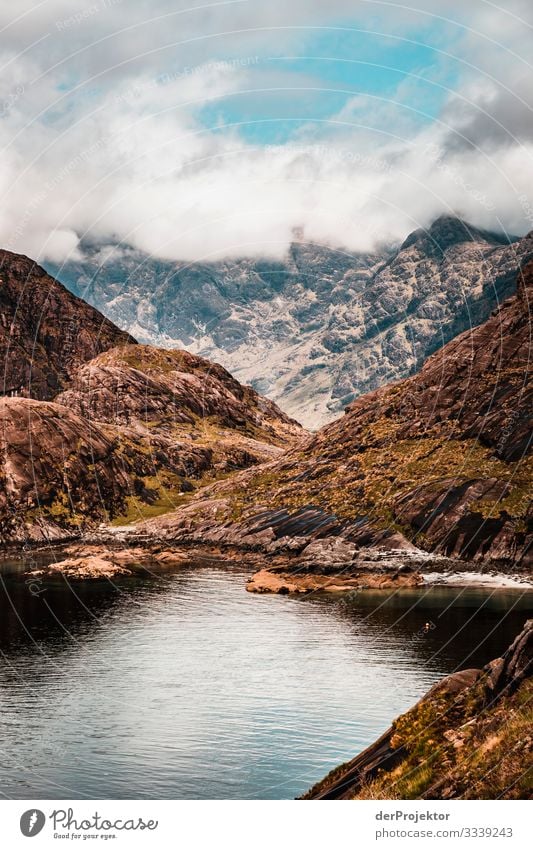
(184, 686)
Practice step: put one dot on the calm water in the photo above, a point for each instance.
(188, 687)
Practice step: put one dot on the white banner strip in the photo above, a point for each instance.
(262, 825)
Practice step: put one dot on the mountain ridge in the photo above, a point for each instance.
(321, 327)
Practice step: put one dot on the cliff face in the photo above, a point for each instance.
(319, 328)
(468, 738)
(45, 332)
(441, 460)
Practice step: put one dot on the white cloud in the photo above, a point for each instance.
(100, 133)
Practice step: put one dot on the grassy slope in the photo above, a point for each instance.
(457, 746)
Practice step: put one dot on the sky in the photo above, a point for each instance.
(196, 131)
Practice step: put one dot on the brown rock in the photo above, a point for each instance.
(284, 583)
(45, 331)
(83, 568)
(55, 467)
(176, 393)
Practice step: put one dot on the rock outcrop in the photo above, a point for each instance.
(45, 331)
(319, 328)
(468, 738)
(283, 582)
(93, 563)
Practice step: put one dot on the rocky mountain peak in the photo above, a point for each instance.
(446, 231)
(323, 325)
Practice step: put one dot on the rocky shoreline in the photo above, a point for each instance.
(97, 561)
(469, 737)
(328, 565)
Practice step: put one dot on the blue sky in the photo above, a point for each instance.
(339, 62)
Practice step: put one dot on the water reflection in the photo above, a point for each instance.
(186, 686)
(458, 627)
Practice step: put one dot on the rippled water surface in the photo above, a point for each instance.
(186, 686)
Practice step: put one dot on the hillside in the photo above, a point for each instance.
(45, 331)
(172, 391)
(320, 327)
(134, 429)
(57, 471)
(440, 461)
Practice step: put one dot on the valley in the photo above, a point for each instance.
(139, 470)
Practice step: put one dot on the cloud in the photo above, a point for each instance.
(103, 131)
(501, 118)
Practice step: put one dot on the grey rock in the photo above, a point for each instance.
(360, 320)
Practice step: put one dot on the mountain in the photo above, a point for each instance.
(173, 392)
(440, 461)
(133, 429)
(45, 332)
(468, 738)
(137, 429)
(319, 328)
